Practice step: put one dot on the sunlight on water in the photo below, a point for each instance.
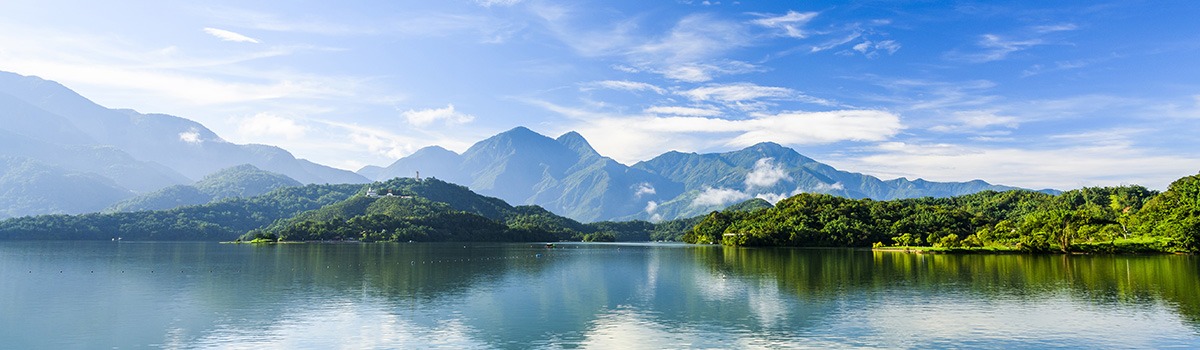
(593, 296)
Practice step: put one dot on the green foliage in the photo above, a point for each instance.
(424, 211)
(223, 220)
(1093, 219)
(1174, 214)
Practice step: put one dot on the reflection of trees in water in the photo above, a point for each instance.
(822, 274)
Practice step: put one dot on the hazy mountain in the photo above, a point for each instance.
(45, 122)
(432, 161)
(771, 171)
(29, 187)
(564, 175)
(47, 111)
(568, 177)
(235, 182)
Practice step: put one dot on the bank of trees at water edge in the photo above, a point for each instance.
(1093, 219)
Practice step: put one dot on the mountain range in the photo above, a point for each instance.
(53, 139)
(63, 154)
(567, 176)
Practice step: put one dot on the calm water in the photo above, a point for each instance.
(206, 295)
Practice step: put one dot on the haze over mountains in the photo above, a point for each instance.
(568, 177)
(52, 139)
(61, 153)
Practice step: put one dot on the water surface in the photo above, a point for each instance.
(204, 295)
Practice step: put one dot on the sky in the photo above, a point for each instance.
(1054, 94)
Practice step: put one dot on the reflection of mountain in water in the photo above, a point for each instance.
(586, 295)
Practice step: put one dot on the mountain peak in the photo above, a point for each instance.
(433, 150)
(770, 148)
(520, 132)
(577, 143)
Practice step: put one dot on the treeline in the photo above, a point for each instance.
(1094, 219)
(222, 220)
(436, 211)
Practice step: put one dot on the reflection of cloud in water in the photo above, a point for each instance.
(356, 324)
(630, 329)
(766, 303)
(717, 286)
(1053, 321)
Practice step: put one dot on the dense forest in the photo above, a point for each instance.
(222, 220)
(432, 210)
(1093, 219)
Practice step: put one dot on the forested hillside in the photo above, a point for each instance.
(1094, 219)
(223, 220)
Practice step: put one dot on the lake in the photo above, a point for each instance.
(65, 295)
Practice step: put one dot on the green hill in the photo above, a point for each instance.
(235, 182)
(430, 210)
(222, 220)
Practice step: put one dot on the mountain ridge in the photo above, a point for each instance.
(569, 177)
(45, 122)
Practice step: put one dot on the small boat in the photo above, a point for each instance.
(549, 245)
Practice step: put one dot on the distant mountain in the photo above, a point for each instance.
(236, 182)
(564, 175)
(568, 177)
(222, 220)
(45, 122)
(771, 171)
(29, 187)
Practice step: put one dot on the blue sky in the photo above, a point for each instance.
(1036, 94)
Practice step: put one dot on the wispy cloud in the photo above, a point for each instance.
(630, 138)
(743, 95)
(448, 115)
(230, 36)
(625, 85)
(490, 3)
(1103, 157)
(790, 24)
(268, 124)
(1050, 28)
(996, 48)
(976, 120)
(683, 111)
(737, 92)
(873, 49)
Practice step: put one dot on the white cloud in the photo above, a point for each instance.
(835, 42)
(790, 24)
(873, 49)
(1070, 161)
(1061, 27)
(695, 38)
(976, 120)
(702, 72)
(824, 187)
(627, 86)
(643, 189)
(774, 198)
(267, 124)
(684, 111)
(190, 136)
(995, 48)
(490, 3)
(226, 35)
(630, 138)
(737, 92)
(651, 207)
(428, 116)
(766, 173)
(719, 197)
